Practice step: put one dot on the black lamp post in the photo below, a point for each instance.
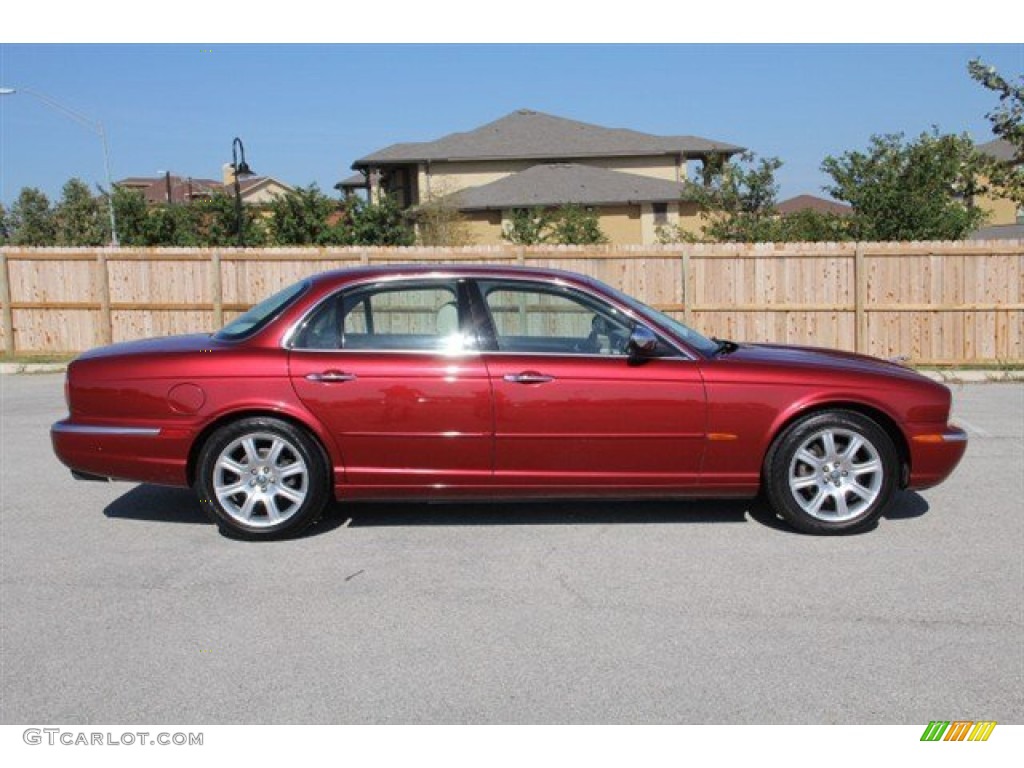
(240, 169)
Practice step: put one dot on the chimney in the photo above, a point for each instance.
(228, 174)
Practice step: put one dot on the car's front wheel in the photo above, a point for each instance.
(262, 478)
(832, 472)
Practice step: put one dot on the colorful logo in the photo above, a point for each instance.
(958, 730)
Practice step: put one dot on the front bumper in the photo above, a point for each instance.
(934, 454)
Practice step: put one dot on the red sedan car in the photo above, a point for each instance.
(452, 382)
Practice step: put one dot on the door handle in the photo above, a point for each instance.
(528, 377)
(330, 377)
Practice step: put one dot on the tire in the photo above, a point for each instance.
(831, 473)
(262, 478)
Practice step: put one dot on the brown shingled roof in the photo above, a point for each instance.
(567, 183)
(536, 135)
(154, 188)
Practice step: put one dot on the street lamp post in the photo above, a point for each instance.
(93, 125)
(239, 169)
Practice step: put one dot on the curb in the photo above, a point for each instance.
(973, 377)
(6, 368)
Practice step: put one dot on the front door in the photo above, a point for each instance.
(572, 409)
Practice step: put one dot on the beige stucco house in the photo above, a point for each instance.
(1001, 211)
(527, 159)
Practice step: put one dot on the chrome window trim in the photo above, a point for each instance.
(267, 322)
(286, 341)
(601, 299)
(87, 429)
(292, 332)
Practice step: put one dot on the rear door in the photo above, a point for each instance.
(404, 391)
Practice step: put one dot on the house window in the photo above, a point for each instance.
(660, 213)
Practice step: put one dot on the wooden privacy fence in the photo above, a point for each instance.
(935, 303)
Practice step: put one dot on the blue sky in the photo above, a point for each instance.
(305, 112)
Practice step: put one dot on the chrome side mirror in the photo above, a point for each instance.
(642, 342)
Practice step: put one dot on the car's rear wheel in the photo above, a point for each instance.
(262, 478)
(832, 472)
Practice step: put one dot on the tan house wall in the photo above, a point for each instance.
(484, 227)
(666, 168)
(445, 178)
(690, 218)
(621, 224)
(448, 177)
(999, 210)
(685, 216)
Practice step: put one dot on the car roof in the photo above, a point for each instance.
(468, 269)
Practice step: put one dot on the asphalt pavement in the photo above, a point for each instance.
(122, 604)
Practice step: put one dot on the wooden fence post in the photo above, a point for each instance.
(687, 296)
(860, 319)
(8, 312)
(106, 317)
(217, 289)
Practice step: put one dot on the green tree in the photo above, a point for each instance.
(301, 217)
(673, 234)
(439, 222)
(528, 226)
(563, 225)
(219, 223)
(79, 217)
(173, 226)
(5, 234)
(814, 227)
(738, 202)
(576, 225)
(916, 190)
(381, 223)
(132, 214)
(1007, 121)
(31, 220)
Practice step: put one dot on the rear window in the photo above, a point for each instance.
(258, 317)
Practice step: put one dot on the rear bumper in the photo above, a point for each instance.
(934, 454)
(140, 453)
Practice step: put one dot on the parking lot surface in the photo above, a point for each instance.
(122, 604)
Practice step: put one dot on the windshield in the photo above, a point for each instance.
(699, 342)
(261, 314)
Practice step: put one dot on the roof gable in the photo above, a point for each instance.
(253, 183)
(1000, 149)
(536, 135)
(812, 203)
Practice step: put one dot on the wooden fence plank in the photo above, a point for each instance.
(106, 326)
(217, 289)
(8, 309)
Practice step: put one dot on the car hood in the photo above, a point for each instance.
(193, 342)
(818, 358)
